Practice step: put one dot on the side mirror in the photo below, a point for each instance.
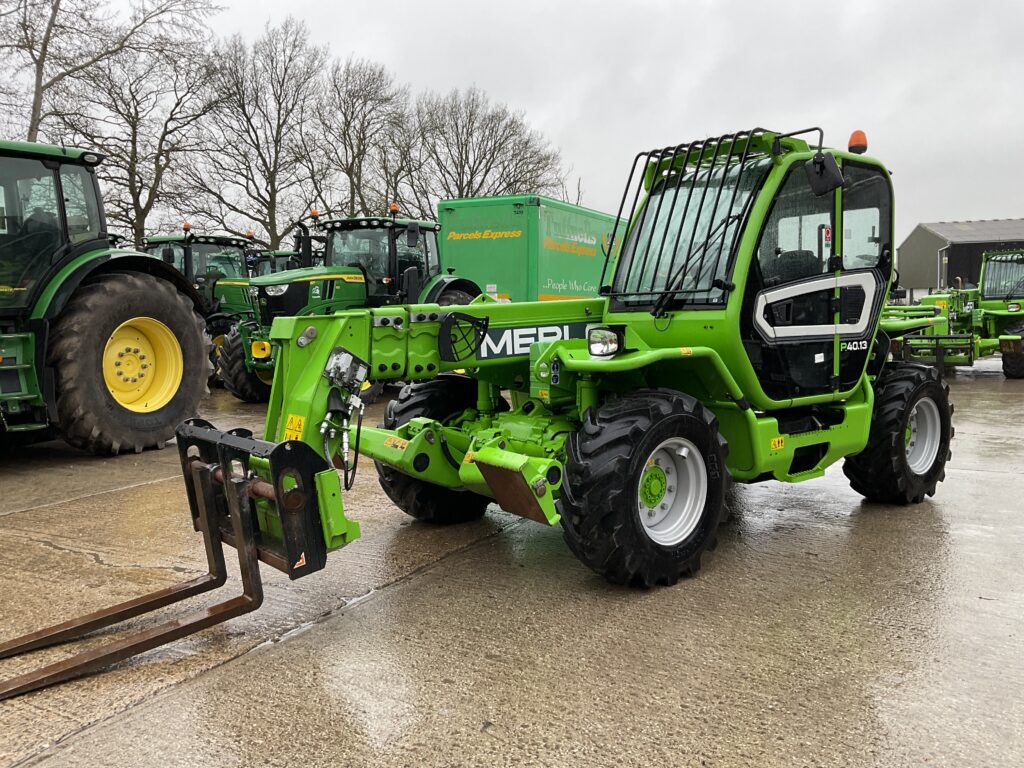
(412, 235)
(410, 286)
(823, 174)
(167, 254)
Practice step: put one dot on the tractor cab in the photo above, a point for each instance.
(1002, 277)
(49, 213)
(395, 256)
(215, 264)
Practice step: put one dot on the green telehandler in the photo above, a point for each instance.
(971, 322)
(734, 338)
(99, 344)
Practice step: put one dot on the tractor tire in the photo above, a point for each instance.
(908, 446)
(1013, 364)
(102, 337)
(239, 380)
(621, 513)
(453, 297)
(441, 399)
(217, 329)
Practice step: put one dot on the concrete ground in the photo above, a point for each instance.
(823, 630)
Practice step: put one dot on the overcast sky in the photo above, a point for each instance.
(937, 86)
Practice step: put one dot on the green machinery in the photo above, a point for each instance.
(365, 262)
(971, 322)
(99, 344)
(735, 338)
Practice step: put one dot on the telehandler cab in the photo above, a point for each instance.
(736, 338)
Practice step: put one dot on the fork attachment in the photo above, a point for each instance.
(261, 498)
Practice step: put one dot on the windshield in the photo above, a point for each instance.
(367, 249)
(683, 237)
(30, 227)
(1004, 277)
(272, 264)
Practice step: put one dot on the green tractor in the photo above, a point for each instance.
(365, 262)
(217, 266)
(98, 344)
(972, 322)
(735, 338)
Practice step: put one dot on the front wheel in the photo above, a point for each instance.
(246, 385)
(644, 485)
(908, 446)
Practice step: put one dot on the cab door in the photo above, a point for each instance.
(865, 261)
(788, 317)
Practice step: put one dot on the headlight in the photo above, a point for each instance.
(254, 292)
(1013, 307)
(603, 342)
(275, 290)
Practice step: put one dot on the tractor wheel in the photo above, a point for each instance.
(644, 485)
(454, 296)
(441, 399)
(238, 380)
(1013, 364)
(131, 362)
(908, 446)
(217, 329)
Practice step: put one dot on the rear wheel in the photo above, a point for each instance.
(126, 376)
(239, 380)
(441, 399)
(1013, 364)
(908, 447)
(644, 485)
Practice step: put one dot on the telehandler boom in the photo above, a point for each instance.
(736, 337)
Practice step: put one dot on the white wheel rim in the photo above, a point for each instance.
(671, 516)
(924, 430)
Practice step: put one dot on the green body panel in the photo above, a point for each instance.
(967, 323)
(525, 247)
(19, 384)
(42, 306)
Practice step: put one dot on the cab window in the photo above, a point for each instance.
(796, 242)
(80, 203)
(867, 216)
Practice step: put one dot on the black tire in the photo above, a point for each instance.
(88, 415)
(441, 399)
(454, 296)
(371, 394)
(606, 458)
(217, 329)
(239, 380)
(881, 471)
(1013, 364)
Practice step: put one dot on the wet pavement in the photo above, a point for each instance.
(822, 631)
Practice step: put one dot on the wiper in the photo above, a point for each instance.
(670, 289)
(1018, 284)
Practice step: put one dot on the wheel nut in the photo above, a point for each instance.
(142, 357)
(145, 366)
(117, 363)
(671, 489)
(142, 375)
(120, 354)
(663, 507)
(135, 350)
(134, 380)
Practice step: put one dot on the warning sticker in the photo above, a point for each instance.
(396, 442)
(293, 427)
(778, 443)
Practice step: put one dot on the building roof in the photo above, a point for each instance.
(984, 231)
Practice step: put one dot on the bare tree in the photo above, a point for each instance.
(471, 147)
(54, 41)
(142, 112)
(360, 113)
(251, 173)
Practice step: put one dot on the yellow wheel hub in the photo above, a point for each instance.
(267, 377)
(142, 365)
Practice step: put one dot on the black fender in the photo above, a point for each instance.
(450, 282)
